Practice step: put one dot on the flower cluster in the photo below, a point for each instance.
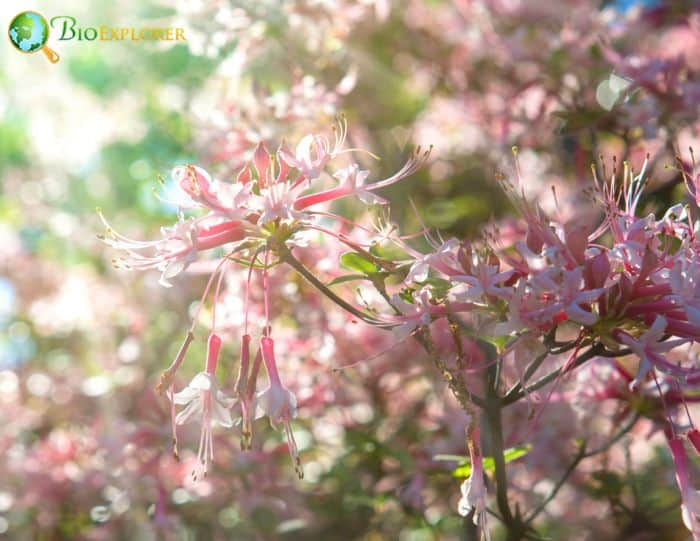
(256, 220)
(626, 289)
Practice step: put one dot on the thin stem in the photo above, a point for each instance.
(247, 289)
(529, 371)
(534, 365)
(581, 455)
(617, 437)
(456, 383)
(216, 294)
(286, 255)
(195, 316)
(266, 291)
(493, 416)
(470, 532)
(516, 394)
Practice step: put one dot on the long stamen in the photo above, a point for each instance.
(293, 450)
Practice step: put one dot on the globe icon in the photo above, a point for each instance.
(29, 33)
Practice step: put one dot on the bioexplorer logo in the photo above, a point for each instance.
(29, 33)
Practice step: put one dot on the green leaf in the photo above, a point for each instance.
(464, 469)
(388, 251)
(358, 262)
(500, 342)
(440, 286)
(346, 278)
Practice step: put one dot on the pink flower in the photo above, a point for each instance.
(474, 489)
(277, 202)
(690, 506)
(483, 280)
(226, 199)
(443, 258)
(177, 249)
(413, 315)
(313, 152)
(473, 492)
(204, 401)
(684, 280)
(352, 182)
(648, 347)
(277, 402)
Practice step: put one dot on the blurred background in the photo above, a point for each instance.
(85, 441)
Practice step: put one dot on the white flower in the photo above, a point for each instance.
(204, 401)
(352, 179)
(278, 403)
(277, 202)
(473, 495)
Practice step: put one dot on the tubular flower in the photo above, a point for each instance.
(228, 200)
(265, 211)
(649, 347)
(204, 402)
(277, 402)
(313, 152)
(473, 489)
(690, 498)
(178, 248)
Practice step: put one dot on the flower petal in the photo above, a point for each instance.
(192, 409)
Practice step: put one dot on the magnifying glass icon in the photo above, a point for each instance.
(29, 32)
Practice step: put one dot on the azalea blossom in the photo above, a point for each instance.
(313, 152)
(648, 347)
(690, 504)
(204, 402)
(352, 183)
(443, 259)
(277, 402)
(178, 248)
(473, 489)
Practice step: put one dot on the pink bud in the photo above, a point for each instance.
(465, 256)
(192, 179)
(596, 271)
(534, 240)
(261, 159)
(284, 167)
(576, 236)
(244, 175)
